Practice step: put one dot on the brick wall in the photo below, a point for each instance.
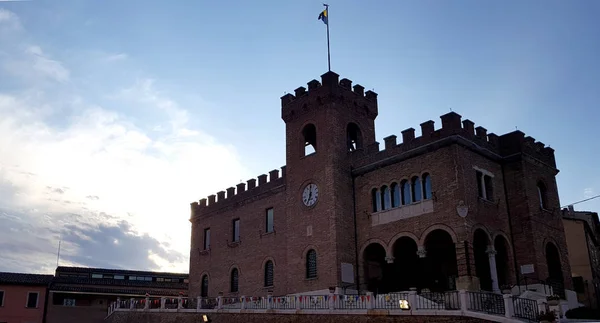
(249, 256)
(123, 317)
(532, 226)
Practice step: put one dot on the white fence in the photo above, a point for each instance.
(488, 306)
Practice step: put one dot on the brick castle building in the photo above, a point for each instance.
(455, 207)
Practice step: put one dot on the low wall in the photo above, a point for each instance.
(156, 317)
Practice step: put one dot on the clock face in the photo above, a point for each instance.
(310, 194)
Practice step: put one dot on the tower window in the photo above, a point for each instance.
(309, 134)
(543, 195)
(269, 274)
(354, 137)
(236, 230)
(204, 288)
(207, 239)
(234, 288)
(311, 264)
(269, 220)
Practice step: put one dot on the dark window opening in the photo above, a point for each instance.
(489, 188)
(236, 230)
(269, 274)
(479, 176)
(1, 298)
(32, 300)
(269, 220)
(309, 134)
(206, 238)
(234, 280)
(311, 264)
(376, 200)
(405, 192)
(204, 287)
(395, 195)
(416, 189)
(354, 137)
(542, 194)
(426, 186)
(485, 186)
(386, 202)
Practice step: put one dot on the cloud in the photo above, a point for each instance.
(61, 150)
(9, 21)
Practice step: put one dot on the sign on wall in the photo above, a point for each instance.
(347, 273)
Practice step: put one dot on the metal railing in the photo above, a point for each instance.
(485, 302)
(438, 301)
(525, 308)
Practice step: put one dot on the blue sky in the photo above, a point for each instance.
(132, 109)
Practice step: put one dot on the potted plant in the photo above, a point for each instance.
(506, 289)
(547, 317)
(553, 300)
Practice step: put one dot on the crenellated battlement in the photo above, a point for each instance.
(241, 191)
(329, 90)
(453, 128)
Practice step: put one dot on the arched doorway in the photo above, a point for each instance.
(406, 268)
(482, 261)
(502, 260)
(376, 268)
(555, 275)
(440, 269)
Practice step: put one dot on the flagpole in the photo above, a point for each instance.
(328, 50)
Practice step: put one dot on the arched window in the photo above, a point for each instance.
(309, 134)
(395, 195)
(354, 137)
(542, 194)
(269, 274)
(426, 186)
(416, 189)
(234, 288)
(386, 199)
(405, 192)
(376, 200)
(311, 264)
(204, 287)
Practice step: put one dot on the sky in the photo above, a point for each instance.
(116, 115)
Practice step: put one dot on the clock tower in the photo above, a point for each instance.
(327, 126)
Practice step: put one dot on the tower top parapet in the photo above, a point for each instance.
(329, 90)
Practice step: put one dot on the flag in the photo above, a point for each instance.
(323, 16)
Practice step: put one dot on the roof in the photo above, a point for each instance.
(121, 291)
(65, 269)
(118, 282)
(7, 278)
